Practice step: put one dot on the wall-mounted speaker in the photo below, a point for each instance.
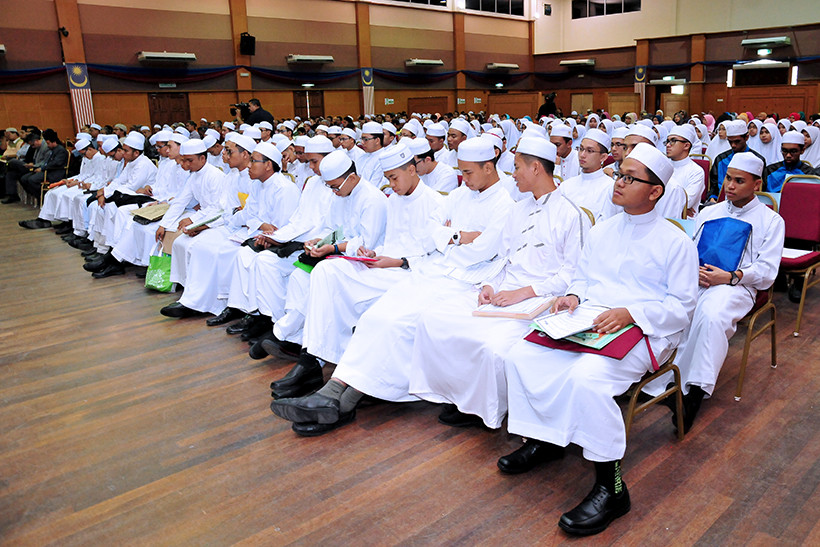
(247, 44)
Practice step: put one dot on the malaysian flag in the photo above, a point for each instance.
(640, 84)
(80, 94)
(368, 92)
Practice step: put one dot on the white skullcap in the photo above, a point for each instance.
(641, 130)
(109, 145)
(535, 128)
(412, 127)
(203, 119)
(498, 132)
(283, 145)
(252, 132)
(334, 165)
(192, 146)
(685, 131)
(145, 128)
(349, 132)
(419, 146)
(390, 128)
(538, 147)
(242, 140)
(747, 161)
(476, 150)
(436, 130)
(319, 145)
(182, 131)
(493, 138)
(461, 126)
(95, 126)
(229, 126)
(213, 133)
(645, 123)
(395, 156)
(334, 130)
(135, 140)
(373, 128)
(82, 144)
(265, 125)
(270, 151)
(561, 130)
(301, 141)
(793, 137)
(101, 137)
(157, 126)
(445, 125)
(209, 141)
(290, 124)
(736, 128)
(152, 140)
(277, 138)
(78, 136)
(619, 133)
(654, 160)
(600, 137)
(177, 138)
(322, 127)
(428, 122)
(244, 126)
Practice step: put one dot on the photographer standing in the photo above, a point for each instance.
(258, 114)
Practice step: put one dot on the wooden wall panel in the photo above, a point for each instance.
(159, 24)
(563, 100)
(780, 99)
(212, 106)
(127, 108)
(267, 29)
(516, 105)
(342, 102)
(303, 10)
(43, 110)
(401, 96)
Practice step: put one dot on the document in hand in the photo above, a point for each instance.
(364, 259)
(333, 237)
(528, 309)
(562, 324)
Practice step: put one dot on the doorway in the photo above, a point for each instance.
(168, 108)
(309, 104)
(581, 103)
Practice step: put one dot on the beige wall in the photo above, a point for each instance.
(660, 18)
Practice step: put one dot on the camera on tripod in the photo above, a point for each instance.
(243, 109)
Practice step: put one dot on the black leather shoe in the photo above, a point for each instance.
(85, 246)
(257, 350)
(596, 512)
(311, 429)
(691, 407)
(313, 408)
(35, 224)
(533, 453)
(141, 272)
(261, 327)
(63, 229)
(89, 253)
(795, 292)
(305, 377)
(177, 310)
(243, 325)
(273, 345)
(454, 418)
(14, 198)
(93, 256)
(111, 269)
(97, 265)
(227, 315)
(71, 236)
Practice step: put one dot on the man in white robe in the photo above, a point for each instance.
(644, 270)
(674, 199)
(457, 133)
(567, 165)
(592, 189)
(438, 176)
(458, 359)
(368, 166)
(341, 291)
(725, 297)
(688, 174)
(376, 361)
(436, 136)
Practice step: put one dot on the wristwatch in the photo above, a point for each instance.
(404, 264)
(457, 238)
(735, 279)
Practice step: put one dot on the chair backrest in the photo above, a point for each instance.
(608, 161)
(558, 178)
(800, 209)
(769, 200)
(589, 214)
(811, 179)
(685, 213)
(676, 223)
(705, 164)
(460, 179)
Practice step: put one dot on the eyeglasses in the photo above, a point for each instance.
(790, 151)
(589, 151)
(344, 139)
(259, 161)
(629, 179)
(229, 151)
(619, 145)
(674, 141)
(365, 139)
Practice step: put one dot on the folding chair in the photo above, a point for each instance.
(769, 199)
(763, 304)
(634, 408)
(705, 164)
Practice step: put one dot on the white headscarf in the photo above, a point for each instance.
(771, 151)
(511, 133)
(754, 142)
(718, 145)
(812, 153)
(581, 132)
(597, 119)
(607, 127)
(799, 125)
(705, 139)
(662, 134)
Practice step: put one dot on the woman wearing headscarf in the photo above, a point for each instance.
(511, 133)
(784, 125)
(592, 122)
(770, 143)
(578, 135)
(719, 144)
(606, 127)
(709, 121)
(754, 134)
(662, 134)
(799, 126)
(811, 153)
(703, 135)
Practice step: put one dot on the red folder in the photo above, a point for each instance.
(616, 349)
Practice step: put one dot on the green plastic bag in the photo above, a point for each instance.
(158, 276)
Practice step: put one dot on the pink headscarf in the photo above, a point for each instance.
(709, 120)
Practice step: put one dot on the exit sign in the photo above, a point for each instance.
(476, 100)
(461, 101)
(388, 101)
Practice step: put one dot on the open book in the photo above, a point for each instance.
(563, 324)
(528, 309)
(153, 212)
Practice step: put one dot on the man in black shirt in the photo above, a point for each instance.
(548, 107)
(258, 114)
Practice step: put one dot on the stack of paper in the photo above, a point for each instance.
(563, 324)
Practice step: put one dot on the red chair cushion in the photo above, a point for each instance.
(761, 300)
(800, 263)
(800, 209)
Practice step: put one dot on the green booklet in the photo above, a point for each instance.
(590, 338)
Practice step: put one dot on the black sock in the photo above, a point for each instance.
(609, 474)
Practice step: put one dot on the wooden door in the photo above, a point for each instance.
(168, 108)
(618, 103)
(308, 104)
(427, 105)
(516, 105)
(581, 102)
(674, 103)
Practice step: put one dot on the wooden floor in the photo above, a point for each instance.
(120, 427)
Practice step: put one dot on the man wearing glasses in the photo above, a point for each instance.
(737, 134)
(368, 167)
(592, 189)
(348, 141)
(791, 146)
(688, 175)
